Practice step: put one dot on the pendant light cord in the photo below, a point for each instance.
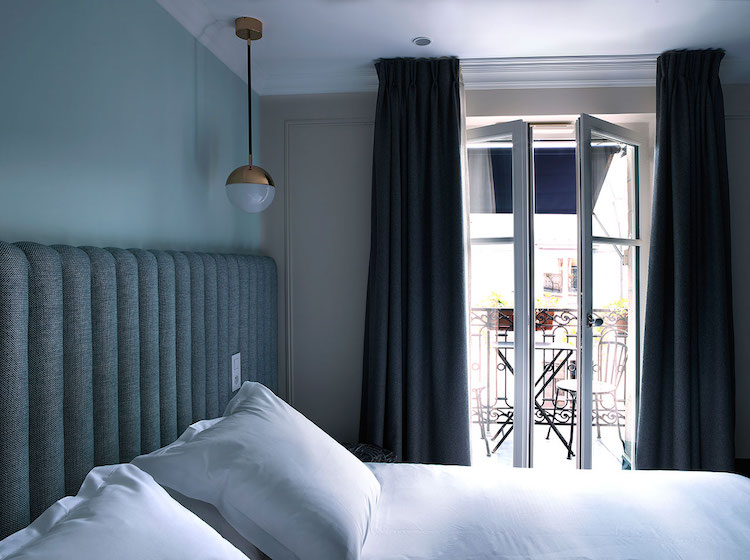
(249, 107)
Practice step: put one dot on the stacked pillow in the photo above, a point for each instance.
(119, 513)
(280, 481)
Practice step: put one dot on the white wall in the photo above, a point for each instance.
(321, 144)
(319, 150)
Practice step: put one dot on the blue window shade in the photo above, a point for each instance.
(554, 180)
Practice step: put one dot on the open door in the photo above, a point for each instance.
(609, 256)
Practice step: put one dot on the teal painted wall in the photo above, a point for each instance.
(117, 128)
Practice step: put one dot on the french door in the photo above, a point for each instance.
(560, 335)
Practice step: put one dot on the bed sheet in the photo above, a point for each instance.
(440, 512)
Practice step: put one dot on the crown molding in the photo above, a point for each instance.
(638, 62)
(559, 72)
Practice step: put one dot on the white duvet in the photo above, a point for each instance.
(436, 512)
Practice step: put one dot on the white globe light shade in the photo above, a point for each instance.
(250, 188)
(251, 197)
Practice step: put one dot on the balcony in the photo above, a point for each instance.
(555, 370)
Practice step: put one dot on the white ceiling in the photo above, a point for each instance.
(317, 46)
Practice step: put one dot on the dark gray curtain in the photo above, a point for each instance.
(414, 396)
(687, 393)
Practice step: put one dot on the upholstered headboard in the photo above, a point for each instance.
(109, 353)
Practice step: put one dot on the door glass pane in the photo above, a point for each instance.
(615, 374)
(492, 298)
(613, 177)
(556, 295)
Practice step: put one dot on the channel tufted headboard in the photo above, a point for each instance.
(109, 353)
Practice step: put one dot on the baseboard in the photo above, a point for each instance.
(742, 466)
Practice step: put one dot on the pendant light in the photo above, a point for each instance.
(250, 187)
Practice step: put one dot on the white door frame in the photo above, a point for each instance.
(523, 260)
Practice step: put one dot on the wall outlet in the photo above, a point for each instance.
(236, 369)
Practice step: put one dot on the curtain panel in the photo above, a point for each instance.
(687, 392)
(415, 386)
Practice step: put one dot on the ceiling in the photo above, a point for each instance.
(323, 46)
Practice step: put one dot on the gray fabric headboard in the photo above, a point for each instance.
(109, 353)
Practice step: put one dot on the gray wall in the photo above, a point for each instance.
(328, 290)
(737, 102)
(561, 101)
(117, 128)
(319, 148)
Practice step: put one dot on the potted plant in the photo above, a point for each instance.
(617, 315)
(500, 312)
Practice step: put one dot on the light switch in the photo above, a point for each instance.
(236, 375)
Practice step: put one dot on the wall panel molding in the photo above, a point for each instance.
(289, 126)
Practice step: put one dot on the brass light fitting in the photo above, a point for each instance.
(250, 187)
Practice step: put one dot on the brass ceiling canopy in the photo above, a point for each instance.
(248, 29)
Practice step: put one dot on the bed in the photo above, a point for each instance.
(107, 356)
(421, 512)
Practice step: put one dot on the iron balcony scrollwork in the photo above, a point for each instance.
(491, 379)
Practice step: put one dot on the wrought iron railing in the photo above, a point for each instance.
(491, 356)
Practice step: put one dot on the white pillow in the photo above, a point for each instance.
(119, 513)
(212, 517)
(281, 482)
(206, 511)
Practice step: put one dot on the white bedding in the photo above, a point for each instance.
(437, 512)
(120, 513)
(279, 480)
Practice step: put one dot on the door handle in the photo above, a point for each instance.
(591, 322)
